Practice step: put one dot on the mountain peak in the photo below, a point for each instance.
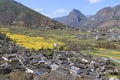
(74, 19)
(75, 12)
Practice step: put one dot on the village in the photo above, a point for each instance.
(108, 35)
(69, 63)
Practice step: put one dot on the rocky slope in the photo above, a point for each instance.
(106, 17)
(75, 19)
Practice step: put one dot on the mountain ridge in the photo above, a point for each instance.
(106, 17)
(14, 13)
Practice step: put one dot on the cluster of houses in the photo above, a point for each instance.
(64, 62)
(103, 34)
(108, 35)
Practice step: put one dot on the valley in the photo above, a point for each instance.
(45, 39)
(37, 43)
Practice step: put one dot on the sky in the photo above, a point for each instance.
(59, 8)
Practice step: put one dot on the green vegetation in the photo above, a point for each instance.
(103, 52)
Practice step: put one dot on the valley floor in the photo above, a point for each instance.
(45, 39)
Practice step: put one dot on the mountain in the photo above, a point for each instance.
(106, 17)
(75, 19)
(14, 13)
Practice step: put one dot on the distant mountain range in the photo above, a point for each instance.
(106, 17)
(14, 13)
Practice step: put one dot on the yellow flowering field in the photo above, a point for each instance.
(33, 42)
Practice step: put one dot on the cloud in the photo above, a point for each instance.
(61, 11)
(57, 13)
(48, 15)
(95, 1)
(38, 9)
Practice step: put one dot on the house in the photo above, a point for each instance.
(95, 76)
(92, 62)
(36, 55)
(103, 60)
(41, 61)
(44, 68)
(74, 70)
(85, 60)
(1, 46)
(102, 68)
(110, 37)
(118, 38)
(1, 49)
(2, 41)
(80, 36)
(15, 48)
(9, 57)
(23, 60)
(5, 65)
(54, 66)
(16, 65)
(36, 71)
(63, 70)
(109, 68)
(113, 78)
(29, 70)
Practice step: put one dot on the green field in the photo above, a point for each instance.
(104, 52)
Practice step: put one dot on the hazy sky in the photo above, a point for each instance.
(58, 8)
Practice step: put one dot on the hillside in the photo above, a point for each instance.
(14, 13)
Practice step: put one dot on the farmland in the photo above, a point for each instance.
(33, 42)
(103, 52)
(44, 39)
